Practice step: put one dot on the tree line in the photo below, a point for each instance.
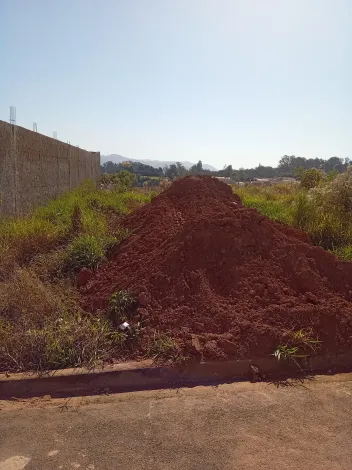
(288, 166)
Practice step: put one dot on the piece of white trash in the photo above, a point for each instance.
(124, 326)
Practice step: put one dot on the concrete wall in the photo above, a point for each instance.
(35, 169)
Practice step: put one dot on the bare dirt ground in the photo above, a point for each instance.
(234, 426)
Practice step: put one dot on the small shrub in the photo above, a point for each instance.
(305, 341)
(311, 178)
(118, 236)
(86, 251)
(165, 183)
(325, 227)
(25, 238)
(336, 195)
(325, 212)
(124, 180)
(120, 306)
(332, 175)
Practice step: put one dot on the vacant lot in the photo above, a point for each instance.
(48, 321)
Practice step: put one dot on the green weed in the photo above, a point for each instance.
(163, 347)
(86, 251)
(301, 346)
(120, 305)
(286, 353)
(305, 340)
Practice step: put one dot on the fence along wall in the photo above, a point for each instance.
(35, 169)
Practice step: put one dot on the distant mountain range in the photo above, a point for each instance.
(154, 163)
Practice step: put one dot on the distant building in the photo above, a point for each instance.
(269, 181)
(226, 179)
(258, 181)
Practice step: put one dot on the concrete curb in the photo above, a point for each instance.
(133, 376)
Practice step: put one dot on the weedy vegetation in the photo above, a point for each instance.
(300, 346)
(320, 205)
(42, 325)
(121, 307)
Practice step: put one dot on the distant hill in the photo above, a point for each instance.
(154, 163)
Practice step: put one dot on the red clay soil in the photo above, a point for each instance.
(202, 264)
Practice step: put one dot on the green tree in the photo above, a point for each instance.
(299, 172)
(181, 170)
(124, 180)
(197, 169)
(175, 171)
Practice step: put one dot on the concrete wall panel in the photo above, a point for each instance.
(35, 169)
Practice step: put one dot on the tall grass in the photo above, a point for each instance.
(42, 325)
(328, 227)
(277, 202)
(50, 226)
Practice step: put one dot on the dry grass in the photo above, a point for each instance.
(41, 323)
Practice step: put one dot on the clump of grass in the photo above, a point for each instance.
(286, 353)
(305, 341)
(162, 347)
(86, 251)
(300, 346)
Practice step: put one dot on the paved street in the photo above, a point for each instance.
(237, 426)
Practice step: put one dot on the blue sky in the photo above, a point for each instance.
(236, 82)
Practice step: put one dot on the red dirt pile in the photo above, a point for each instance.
(204, 265)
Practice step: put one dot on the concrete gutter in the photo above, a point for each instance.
(144, 375)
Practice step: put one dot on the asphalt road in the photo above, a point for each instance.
(237, 426)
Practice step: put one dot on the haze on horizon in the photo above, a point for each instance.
(236, 82)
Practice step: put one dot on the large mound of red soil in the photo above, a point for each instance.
(205, 265)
